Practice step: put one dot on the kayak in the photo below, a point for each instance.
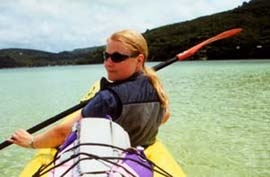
(156, 153)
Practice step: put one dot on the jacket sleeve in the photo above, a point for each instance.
(103, 104)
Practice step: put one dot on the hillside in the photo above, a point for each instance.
(31, 58)
(166, 41)
(252, 43)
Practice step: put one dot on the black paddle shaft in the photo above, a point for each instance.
(165, 63)
(49, 121)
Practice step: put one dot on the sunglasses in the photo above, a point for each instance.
(117, 57)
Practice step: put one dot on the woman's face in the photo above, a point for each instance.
(121, 70)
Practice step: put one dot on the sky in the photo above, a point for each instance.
(64, 25)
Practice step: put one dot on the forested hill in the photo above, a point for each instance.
(166, 41)
(252, 43)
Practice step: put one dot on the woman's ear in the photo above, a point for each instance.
(140, 60)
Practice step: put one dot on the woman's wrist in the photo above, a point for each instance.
(31, 143)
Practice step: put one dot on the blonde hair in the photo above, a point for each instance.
(136, 43)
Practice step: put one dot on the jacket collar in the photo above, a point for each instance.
(104, 82)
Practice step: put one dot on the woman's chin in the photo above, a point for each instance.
(111, 78)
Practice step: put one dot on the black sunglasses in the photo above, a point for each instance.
(117, 57)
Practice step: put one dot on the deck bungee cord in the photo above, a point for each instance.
(88, 156)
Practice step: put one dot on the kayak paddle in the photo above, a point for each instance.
(187, 53)
(180, 57)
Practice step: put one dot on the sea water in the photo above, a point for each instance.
(220, 116)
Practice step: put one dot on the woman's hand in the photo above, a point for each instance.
(22, 138)
(48, 139)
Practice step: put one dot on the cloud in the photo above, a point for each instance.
(57, 25)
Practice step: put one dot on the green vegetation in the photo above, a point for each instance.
(166, 41)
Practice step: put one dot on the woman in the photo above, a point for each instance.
(133, 97)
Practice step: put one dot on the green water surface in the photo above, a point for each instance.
(220, 116)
